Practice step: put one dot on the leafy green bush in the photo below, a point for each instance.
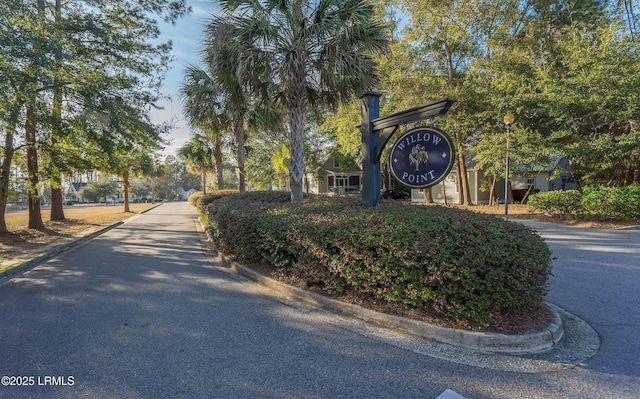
(612, 202)
(471, 268)
(558, 203)
(237, 221)
(598, 202)
(201, 201)
(195, 197)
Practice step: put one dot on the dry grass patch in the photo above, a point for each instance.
(79, 218)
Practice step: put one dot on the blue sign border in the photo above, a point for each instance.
(422, 157)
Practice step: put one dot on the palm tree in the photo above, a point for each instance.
(199, 155)
(156, 171)
(232, 88)
(204, 110)
(310, 53)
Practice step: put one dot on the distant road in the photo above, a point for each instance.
(143, 312)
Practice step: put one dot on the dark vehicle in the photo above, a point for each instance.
(343, 191)
(352, 191)
(395, 194)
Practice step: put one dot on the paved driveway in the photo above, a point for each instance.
(596, 276)
(142, 312)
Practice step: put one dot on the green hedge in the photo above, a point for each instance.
(195, 197)
(612, 202)
(470, 267)
(599, 202)
(558, 203)
(201, 201)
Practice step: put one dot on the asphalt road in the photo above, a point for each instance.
(596, 276)
(143, 312)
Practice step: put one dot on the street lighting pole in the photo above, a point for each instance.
(509, 118)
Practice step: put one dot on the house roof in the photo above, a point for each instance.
(76, 186)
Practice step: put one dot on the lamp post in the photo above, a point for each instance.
(509, 118)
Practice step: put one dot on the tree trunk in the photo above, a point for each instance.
(5, 170)
(3, 212)
(465, 192)
(296, 163)
(526, 195)
(217, 155)
(385, 176)
(57, 210)
(238, 131)
(450, 67)
(296, 97)
(428, 196)
(35, 215)
(125, 189)
(492, 191)
(203, 181)
(461, 165)
(4, 184)
(444, 192)
(627, 175)
(153, 190)
(458, 173)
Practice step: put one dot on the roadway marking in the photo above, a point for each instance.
(449, 394)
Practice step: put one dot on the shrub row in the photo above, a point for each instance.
(598, 202)
(195, 197)
(469, 267)
(201, 201)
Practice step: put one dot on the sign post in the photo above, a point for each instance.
(370, 138)
(377, 131)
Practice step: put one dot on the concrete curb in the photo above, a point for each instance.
(486, 343)
(534, 342)
(56, 250)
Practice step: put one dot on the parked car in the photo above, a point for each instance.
(352, 191)
(343, 191)
(395, 193)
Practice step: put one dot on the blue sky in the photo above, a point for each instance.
(186, 35)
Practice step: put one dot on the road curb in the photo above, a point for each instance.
(56, 250)
(534, 342)
(486, 343)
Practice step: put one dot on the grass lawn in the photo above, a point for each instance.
(79, 218)
(91, 214)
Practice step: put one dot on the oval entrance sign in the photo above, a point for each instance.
(422, 157)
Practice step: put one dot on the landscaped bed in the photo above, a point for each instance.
(465, 269)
